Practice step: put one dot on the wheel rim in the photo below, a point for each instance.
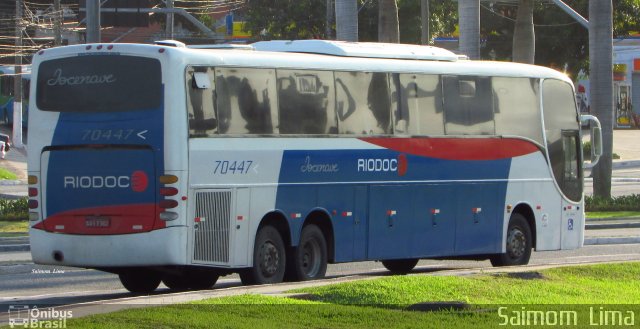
(269, 259)
(516, 243)
(311, 256)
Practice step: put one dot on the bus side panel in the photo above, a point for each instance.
(341, 201)
(478, 211)
(531, 185)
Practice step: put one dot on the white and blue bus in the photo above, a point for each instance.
(166, 163)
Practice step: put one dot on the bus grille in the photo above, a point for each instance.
(211, 234)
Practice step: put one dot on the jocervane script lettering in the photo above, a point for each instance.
(60, 80)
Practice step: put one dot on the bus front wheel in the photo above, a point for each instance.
(518, 245)
(269, 259)
(310, 257)
(400, 266)
(140, 280)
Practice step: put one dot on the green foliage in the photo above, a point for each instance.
(14, 210)
(586, 151)
(621, 203)
(285, 19)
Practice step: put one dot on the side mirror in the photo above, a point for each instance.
(596, 139)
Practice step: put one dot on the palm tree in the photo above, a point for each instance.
(600, 66)
(388, 25)
(524, 39)
(346, 20)
(469, 21)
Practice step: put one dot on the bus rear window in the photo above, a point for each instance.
(89, 84)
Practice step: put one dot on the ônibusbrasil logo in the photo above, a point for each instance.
(138, 181)
(23, 316)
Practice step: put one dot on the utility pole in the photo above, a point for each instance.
(57, 23)
(17, 99)
(170, 19)
(425, 37)
(93, 21)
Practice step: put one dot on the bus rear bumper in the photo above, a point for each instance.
(155, 248)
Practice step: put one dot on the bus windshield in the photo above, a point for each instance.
(112, 83)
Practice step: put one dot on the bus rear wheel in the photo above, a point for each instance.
(269, 259)
(400, 266)
(310, 257)
(140, 280)
(518, 245)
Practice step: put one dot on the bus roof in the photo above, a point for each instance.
(315, 54)
(358, 49)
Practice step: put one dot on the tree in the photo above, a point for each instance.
(346, 20)
(600, 52)
(469, 21)
(286, 19)
(388, 25)
(524, 40)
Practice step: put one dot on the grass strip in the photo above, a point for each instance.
(382, 303)
(6, 174)
(14, 226)
(613, 214)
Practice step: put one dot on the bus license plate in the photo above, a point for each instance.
(97, 222)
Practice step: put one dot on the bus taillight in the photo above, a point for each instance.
(168, 204)
(33, 193)
(167, 192)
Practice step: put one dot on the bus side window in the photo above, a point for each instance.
(246, 99)
(306, 100)
(363, 104)
(417, 104)
(202, 116)
(517, 103)
(468, 105)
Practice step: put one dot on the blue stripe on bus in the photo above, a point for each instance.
(420, 207)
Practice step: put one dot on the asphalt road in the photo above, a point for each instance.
(46, 285)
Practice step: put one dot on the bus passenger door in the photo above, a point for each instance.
(571, 183)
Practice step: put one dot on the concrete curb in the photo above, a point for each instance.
(612, 240)
(612, 226)
(625, 164)
(15, 247)
(12, 196)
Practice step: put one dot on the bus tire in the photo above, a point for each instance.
(269, 258)
(518, 245)
(310, 257)
(177, 282)
(400, 266)
(140, 280)
(192, 279)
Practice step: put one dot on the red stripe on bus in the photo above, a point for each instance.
(458, 148)
(126, 219)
